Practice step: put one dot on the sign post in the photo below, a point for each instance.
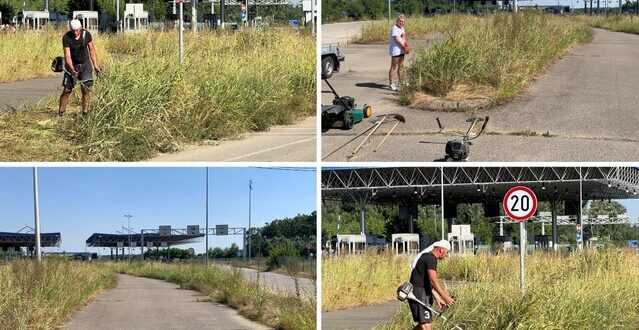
(520, 204)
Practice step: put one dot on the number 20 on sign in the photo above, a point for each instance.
(520, 204)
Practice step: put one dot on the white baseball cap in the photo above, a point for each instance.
(442, 244)
(75, 24)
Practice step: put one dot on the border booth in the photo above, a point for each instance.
(35, 20)
(405, 243)
(88, 18)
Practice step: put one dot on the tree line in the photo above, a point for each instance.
(341, 10)
(384, 220)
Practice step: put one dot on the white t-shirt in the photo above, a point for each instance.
(394, 48)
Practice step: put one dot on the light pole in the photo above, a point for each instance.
(249, 226)
(128, 230)
(206, 253)
(36, 214)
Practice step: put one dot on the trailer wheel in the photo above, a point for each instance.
(328, 67)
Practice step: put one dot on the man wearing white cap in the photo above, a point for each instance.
(426, 285)
(80, 59)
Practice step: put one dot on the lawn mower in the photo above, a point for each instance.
(458, 150)
(405, 292)
(343, 113)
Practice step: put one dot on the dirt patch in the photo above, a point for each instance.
(461, 98)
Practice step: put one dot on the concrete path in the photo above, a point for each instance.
(141, 303)
(14, 95)
(585, 103)
(295, 142)
(360, 318)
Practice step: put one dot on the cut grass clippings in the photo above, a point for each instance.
(43, 296)
(230, 288)
(145, 103)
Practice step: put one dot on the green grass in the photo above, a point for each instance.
(228, 287)
(592, 290)
(145, 103)
(43, 296)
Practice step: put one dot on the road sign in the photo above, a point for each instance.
(221, 230)
(520, 203)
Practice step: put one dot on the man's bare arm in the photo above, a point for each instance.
(94, 57)
(68, 61)
(434, 282)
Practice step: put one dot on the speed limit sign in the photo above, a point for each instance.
(520, 203)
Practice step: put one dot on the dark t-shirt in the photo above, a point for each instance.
(79, 48)
(419, 275)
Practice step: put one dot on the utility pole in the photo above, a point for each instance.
(128, 230)
(36, 214)
(117, 15)
(181, 34)
(389, 12)
(515, 6)
(194, 15)
(249, 226)
(442, 199)
(206, 254)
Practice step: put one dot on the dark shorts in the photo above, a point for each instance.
(420, 313)
(400, 56)
(85, 75)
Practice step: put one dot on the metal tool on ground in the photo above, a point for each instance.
(458, 150)
(405, 292)
(381, 119)
(398, 119)
(344, 112)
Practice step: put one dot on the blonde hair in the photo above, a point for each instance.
(400, 16)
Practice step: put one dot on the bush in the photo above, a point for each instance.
(281, 253)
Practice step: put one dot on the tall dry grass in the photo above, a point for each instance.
(146, 103)
(618, 23)
(592, 290)
(501, 53)
(28, 54)
(42, 296)
(230, 288)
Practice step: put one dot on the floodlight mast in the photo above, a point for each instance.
(36, 214)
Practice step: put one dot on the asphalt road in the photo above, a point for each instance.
(360, 318)
(278, 282)
(142, 303)
(584, 103)
(14, 95)
(295, 142)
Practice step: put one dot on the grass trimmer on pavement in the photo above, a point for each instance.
(405, 292)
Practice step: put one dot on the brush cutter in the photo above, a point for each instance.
(405, 292)
(458, 150)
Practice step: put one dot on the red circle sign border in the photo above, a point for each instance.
(510, 191)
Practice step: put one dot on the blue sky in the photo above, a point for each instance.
(80, 201)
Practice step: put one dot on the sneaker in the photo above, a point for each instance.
(394, 87)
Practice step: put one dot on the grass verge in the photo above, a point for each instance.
(42, 296)
(230, 288)
(146, 103)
